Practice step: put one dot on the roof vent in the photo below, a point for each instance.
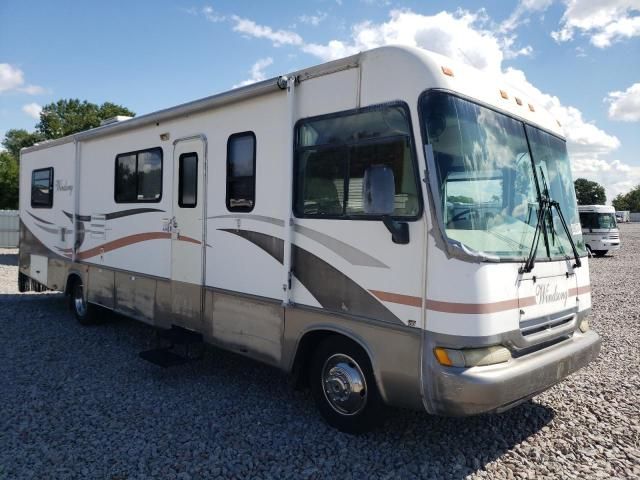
(116, 119)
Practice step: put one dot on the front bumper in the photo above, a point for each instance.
(470, 391)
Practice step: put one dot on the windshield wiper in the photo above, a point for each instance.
(556, 205)
(531, 259)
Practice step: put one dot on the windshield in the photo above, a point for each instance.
(593, 220)
(484, 183)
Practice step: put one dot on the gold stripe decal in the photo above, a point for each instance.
(467, 308)
(130, 240)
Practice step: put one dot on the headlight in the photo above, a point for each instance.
(584, 325)
(472, 357)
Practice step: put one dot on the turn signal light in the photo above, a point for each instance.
(447, 71)
(472, 357)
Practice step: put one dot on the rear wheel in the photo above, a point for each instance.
(23, 283)
(84, 312)
(344, 387)
(600, 253)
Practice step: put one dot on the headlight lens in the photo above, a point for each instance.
(472, 357)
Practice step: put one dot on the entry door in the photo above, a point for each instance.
(187, 224)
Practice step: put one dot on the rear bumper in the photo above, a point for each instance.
(470, 391)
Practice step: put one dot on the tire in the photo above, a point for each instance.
(84, 311)
(23, 283)
(355, 407)
(600, 253)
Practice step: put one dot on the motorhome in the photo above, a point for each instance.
(623, 216)
(599, 228)
(392, 228)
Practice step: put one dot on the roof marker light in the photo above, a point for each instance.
(531, 108)
(447, 71)
(518, 101)
(504, 94)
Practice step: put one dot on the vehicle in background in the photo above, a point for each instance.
(623, 216)
(599, 228)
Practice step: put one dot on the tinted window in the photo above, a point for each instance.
(334, 154)
(241, 179)
(42, 188)
(188, 181)
(138, 176)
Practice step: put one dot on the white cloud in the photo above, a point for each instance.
(604, 21)
(625, 105)
(33, 110)
(12, 78)
(521, 12)
(277, 37)
(211, 15)
(257, 72)
(313, 20)
(460, 36)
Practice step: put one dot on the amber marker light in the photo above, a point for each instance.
(504, 94)
(518, 101)
(531, 108)
(447, 71)
(441, 355)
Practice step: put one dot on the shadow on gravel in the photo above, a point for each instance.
(82, 395)
(9, 259)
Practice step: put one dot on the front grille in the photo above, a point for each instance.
(547, 324)
(614, 236)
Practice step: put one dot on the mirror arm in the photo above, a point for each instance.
(399, 230)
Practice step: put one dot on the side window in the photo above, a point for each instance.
(241, 172)
(138, 176)
(356, 164)
(42, 188)
(188, 180)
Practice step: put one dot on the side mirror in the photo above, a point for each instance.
(379, 195)
(379, 190)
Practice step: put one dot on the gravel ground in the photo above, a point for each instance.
(76, 402)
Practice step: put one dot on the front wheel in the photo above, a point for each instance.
(600, 253)
(344, 387)
(83, 311)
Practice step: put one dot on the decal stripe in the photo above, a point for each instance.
(39, 219)
(580, 290)
(130, 240)
(398, 298)
(114, 215)
(328, 285)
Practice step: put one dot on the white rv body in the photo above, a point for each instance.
(222, 273)
(599, 228)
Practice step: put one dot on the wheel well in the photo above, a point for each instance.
(306, 346)
(71, 280)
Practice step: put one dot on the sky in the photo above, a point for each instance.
(578, 58)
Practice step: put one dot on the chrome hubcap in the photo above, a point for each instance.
(344, 385)
(78, 300)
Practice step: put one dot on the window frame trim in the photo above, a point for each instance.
(180, 177)
(51, 181)
(231, 137)
(136, 153)
(354, 111)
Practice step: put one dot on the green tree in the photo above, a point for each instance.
(15, 139)
(69, 116)
(628, 201)
(589, 193)
(58, 119)
(8, 181)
